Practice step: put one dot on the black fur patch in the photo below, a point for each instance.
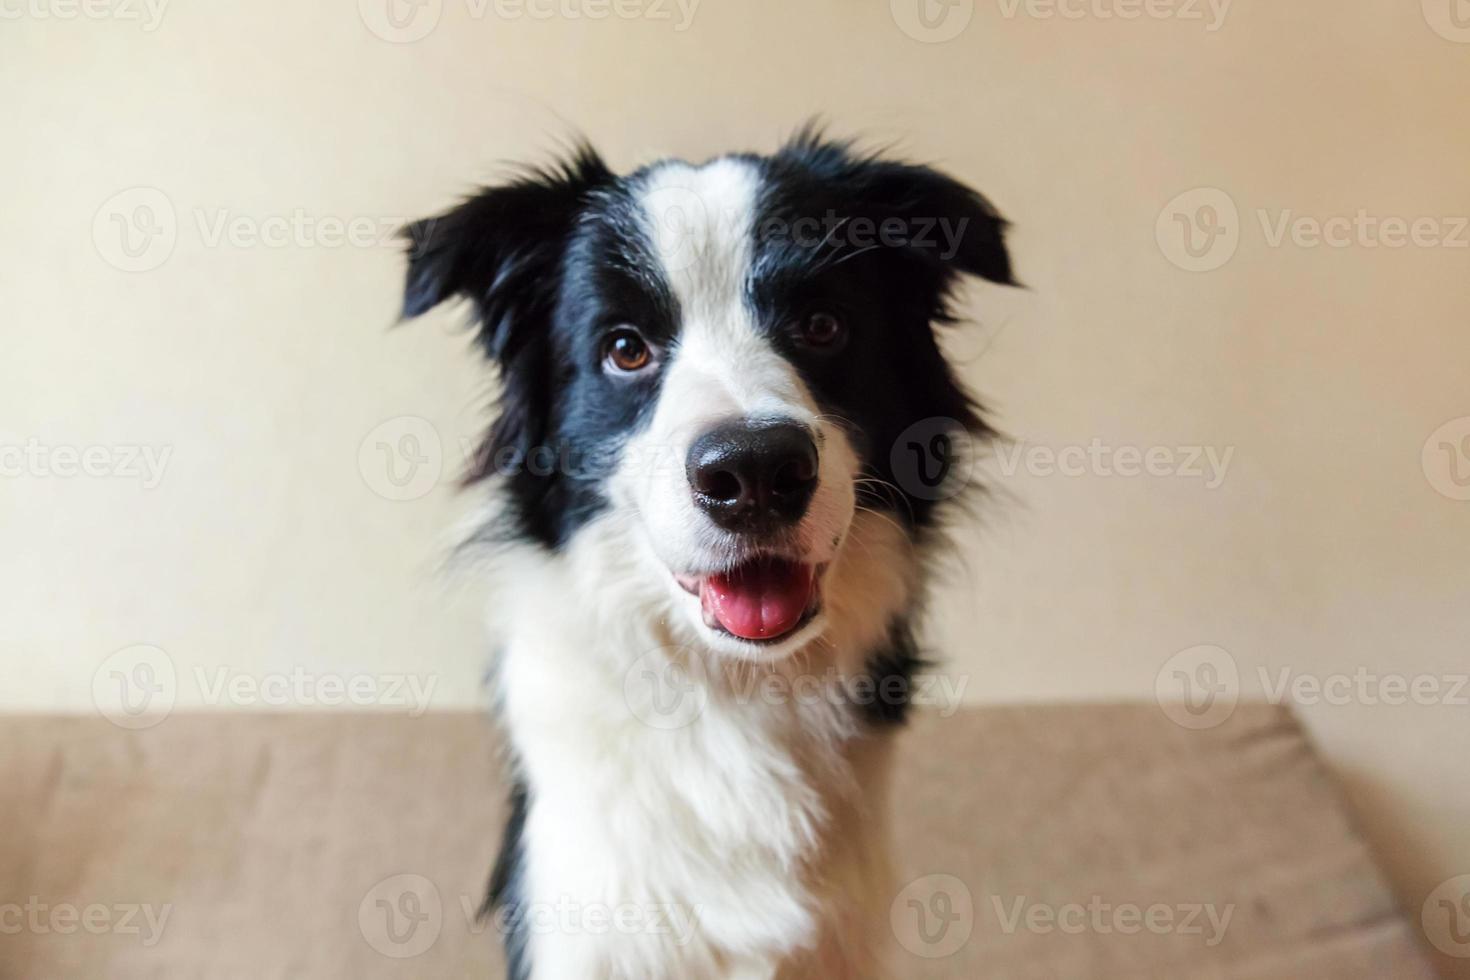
(891, 672)
(505, 897)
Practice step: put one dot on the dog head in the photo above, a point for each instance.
(721, 356)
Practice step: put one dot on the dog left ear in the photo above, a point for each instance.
(965, 232)
(501, 249)
(952, 229)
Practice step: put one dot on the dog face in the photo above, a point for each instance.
(722, 356)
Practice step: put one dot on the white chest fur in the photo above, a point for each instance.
(691, 819)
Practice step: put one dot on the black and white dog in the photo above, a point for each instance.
(705, 564)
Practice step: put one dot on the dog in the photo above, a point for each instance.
(706, 542)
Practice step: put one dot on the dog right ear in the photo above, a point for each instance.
(501, 249)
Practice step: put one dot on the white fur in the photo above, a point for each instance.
(762, 816)
(701, 222)
(758, 818)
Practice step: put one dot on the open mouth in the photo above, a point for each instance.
(761, 600)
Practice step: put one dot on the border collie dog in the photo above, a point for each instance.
(704, 553)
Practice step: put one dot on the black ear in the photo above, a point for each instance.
(968, 234)
(951, 228)
(501, 248)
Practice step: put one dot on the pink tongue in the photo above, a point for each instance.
(760, 600)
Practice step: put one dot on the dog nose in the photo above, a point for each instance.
(753, 475)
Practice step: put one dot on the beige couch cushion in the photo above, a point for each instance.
(1037, 842)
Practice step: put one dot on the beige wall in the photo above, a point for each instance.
(262, 368)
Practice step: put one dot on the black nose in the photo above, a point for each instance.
(753, 476)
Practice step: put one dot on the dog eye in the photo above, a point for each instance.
(823, 330)
(625, 352)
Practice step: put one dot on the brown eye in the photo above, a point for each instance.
(823, 329)
(627, 352)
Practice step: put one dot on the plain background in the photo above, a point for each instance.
(253, 344)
